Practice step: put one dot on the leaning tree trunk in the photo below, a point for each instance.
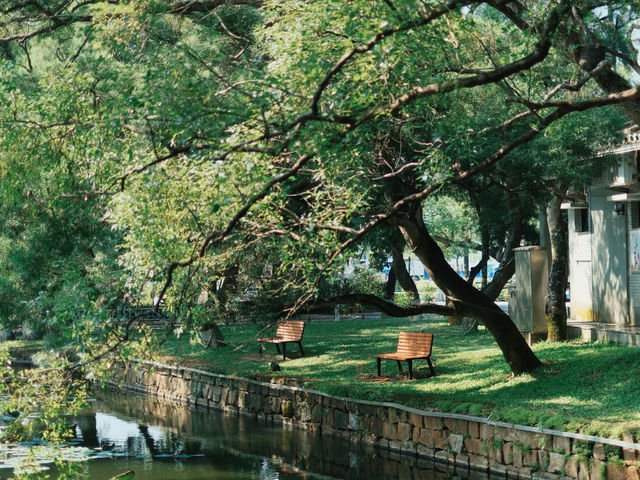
(402, 274)
(467, 299)
(555, 307)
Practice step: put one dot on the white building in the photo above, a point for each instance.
(604, 240)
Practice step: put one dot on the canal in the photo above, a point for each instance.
(160, 441)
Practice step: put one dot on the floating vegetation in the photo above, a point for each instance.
(36, 455)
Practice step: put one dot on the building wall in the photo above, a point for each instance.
(580, 271)
(609, 264)
(634, 274)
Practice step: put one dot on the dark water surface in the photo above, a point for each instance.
(160, 442)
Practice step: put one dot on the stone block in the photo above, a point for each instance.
(495, 454)
(632, 473)
(486, 432)
(561, 444)
(416, 420)
(392, 415)
(556, 462)
(426, 438)
(512, 473)
(433, 422)
(583, 471)
(440, 440)
(571, 467)
(530, 458)
(456, 426)
(377, 427)
(544, 442)
(517, 456)
(525, 473)
(404, 431)
(616, 471)
(456, 442)
(338, 404)
(316, 414)
(390, 431)
(506, 434)
(507, 453)
(598, 451)
(473, 446)
(474, 429)
(598, 470)
(340, 420)
(286, 409)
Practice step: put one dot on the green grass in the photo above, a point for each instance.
(591, 388)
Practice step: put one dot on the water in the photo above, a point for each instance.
(159, 441)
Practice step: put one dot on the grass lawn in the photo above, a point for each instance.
(590, 388)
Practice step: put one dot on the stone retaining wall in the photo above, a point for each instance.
(469, 444)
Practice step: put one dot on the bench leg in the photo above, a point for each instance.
(433, 370)
(277, 347)
(399, 366)
(410, 362)
(260, 348)
(301, 351)
(284, 351)
(379, 372)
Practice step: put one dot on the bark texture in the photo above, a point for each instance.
(555, 307)
(390, 285)
(402, 274)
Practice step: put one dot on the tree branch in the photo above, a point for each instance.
(385, 306)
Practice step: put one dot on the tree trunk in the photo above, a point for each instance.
(402, 275)
(507, 266)
(211, 336)
(555, 307)
(390, 285)
(468, 300)
(455, 318)
(480, 267)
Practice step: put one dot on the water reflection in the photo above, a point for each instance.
(160, 442)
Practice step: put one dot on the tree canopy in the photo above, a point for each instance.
(204, 151)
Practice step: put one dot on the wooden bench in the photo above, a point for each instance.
(287, 332)
(411, 346)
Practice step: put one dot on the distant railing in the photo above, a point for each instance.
(632, 137)
(150, 316)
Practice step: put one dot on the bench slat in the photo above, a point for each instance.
(411, 346)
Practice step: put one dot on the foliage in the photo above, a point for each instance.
(230, 161)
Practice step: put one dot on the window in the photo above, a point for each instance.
(635, 214)
(581, 219)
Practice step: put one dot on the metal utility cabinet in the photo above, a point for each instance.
(527, 295)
